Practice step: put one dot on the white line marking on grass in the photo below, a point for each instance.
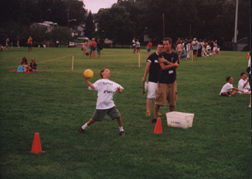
(41, 62)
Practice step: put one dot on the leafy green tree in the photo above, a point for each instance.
(115, 24)
(61, 34)
(90, 25)
(14, 29)
(38, 34)
(28, 11)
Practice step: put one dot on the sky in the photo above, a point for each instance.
(95, 5)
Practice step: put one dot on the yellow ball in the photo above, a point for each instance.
(88, 73)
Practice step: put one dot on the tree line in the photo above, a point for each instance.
(212, 20)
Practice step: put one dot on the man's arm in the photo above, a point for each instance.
(146, 71)
(169, 65)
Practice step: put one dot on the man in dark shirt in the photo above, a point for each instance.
(167, 85)
(152, 67)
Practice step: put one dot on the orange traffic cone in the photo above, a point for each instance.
(158, 127)
(36, 145)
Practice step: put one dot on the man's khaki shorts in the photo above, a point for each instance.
(166, 92)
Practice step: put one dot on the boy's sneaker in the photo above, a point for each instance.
(154, 121)
(122, 133)
(80, 130)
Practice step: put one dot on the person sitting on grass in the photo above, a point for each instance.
(1, 48)
(243, 84)
(25, 63)
(105, 104)
(33, 65)
(228, 87)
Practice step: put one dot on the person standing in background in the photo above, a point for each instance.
(29, 43)
(149, 45)
(99, 48)
(7, 43)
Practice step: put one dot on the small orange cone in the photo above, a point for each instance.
(36, 145)
(158, 127)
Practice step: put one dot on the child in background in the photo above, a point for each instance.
(89, 48)
(138, 46)
(84, 47)
(228, 87)
(105, 104)
(149, 45)
(208, 49)
(33, 65)
(25, 63)
(1, 48)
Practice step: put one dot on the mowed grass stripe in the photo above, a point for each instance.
(56, 103)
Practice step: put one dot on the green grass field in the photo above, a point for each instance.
(57, 102)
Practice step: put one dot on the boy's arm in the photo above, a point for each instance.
(245, 84)
(237, 89)
(89, 83)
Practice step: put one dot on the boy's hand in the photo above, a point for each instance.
(84, 77)
(119, 89)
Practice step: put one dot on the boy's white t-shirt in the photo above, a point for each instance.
(241, 84)
(226, 88)
(106, 90)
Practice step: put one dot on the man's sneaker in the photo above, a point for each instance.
(122, 133)
(80, 130)
(159, 113)
(147, 113)
(154, 121)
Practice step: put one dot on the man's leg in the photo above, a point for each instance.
(156, 109)
(148, 106)
(250, 101)
(171, 108)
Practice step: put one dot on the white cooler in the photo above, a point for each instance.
(179, 119)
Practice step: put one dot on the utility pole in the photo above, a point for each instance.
(190, 31)
(163, 27)
(68, 25)
(235, 30)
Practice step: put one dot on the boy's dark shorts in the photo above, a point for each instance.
(100, 113)
(194, 52)
(225, 94)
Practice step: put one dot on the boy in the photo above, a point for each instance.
(227, 88)
(243, 84)
(105, 104)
